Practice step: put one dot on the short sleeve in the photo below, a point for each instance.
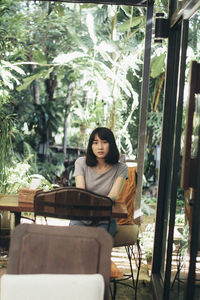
(122, 170)
(79, 166)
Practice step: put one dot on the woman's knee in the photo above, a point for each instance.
(112, 228)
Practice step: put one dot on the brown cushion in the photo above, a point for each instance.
(127, 196)
(126, 235)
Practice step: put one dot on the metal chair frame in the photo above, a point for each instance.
(133, 251)
(131, 256)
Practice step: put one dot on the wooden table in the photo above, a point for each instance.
(10, 203)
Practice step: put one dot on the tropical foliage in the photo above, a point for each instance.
(66, 68)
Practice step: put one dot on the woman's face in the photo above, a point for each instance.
(100, 147)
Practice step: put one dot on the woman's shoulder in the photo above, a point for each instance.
(81, 161)
(122, 165)
(80, 166)
(122, 169)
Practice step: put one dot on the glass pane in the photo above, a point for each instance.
(196, 124)
(182, 229)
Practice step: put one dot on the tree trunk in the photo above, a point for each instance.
(50, 85)
(68, 99)
(36, 93)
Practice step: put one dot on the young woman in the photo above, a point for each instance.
(100, 171)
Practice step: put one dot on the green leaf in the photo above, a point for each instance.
(137, 21)
(12, 67)
(27, 82)
(126, 25)
(103, 50)
(158, 65)
(59, 9)
(91, 27)
(39, 57)
(66, 58)
(126, 9)
(87, 5)
(30, 79)
(125, 86)
(107, 47)
(7, 78)
(74, 36)
(106, 69)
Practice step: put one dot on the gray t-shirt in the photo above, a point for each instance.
(100, 183)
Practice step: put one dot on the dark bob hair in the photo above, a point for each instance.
(104, 134)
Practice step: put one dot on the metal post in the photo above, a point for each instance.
(144, 104)
(190, 287)
(176, 157)
(164, 184)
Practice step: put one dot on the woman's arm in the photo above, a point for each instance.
(80, 181)
(116, 188)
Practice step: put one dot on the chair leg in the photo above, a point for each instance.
(114, 291)
(137, 258)
(129, 251)
(138, 263)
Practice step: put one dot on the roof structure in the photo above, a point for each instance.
(142, 3)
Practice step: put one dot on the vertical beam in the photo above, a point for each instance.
(189, 292)
(167, 186)
(166, 148)
(176, 157)
(144, 104)
(190, 285)
(165, 168)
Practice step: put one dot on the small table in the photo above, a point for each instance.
(10, 203)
